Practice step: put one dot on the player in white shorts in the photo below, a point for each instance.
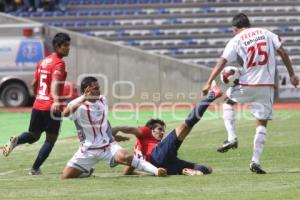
(254, 49)
(89, 113)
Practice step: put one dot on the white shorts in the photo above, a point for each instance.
(261, 97)
(84, 161)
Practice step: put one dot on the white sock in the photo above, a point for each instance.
(259, 143)
(229, 121)
(144, 166)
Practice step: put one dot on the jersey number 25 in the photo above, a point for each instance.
(253, 51)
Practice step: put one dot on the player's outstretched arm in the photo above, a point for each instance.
(127, 130)
(215, 72)
(288, 64)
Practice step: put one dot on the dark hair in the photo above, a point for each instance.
(59, 39)
(87, 81)
(241, 21)
(152, 123)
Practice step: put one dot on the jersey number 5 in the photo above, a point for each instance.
(43, 85)
(257, 49)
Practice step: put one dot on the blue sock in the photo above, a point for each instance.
(43, 154)
(26, 137)
(198, 111)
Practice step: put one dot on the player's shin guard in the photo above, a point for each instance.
(144, 166)
(43, 154)
(259, 143)
(198, 111)
(229, 121)
(26, 137)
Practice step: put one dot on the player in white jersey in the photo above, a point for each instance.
(254, 49)
(89, 112)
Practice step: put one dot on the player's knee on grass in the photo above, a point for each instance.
(203, 168)
(70, 172)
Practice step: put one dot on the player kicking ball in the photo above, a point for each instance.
(161, 152)
(89, 113)
(254, 48)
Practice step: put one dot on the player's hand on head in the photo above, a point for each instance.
(88, 91)
(294, 80)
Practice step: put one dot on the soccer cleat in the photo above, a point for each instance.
(191, 172)
(87, 174)
(35, 172)
(228, 145)
(215, 92)
(256, 168)
(161, 172)
(9, 147)
(91, 172)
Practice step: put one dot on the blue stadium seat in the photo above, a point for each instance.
(80, 23)
(69, 24)
(48, 14)
(285, 29)
(58, 24)
(59, 14)
(95, 12)
(133, 43)
(71, 13)
(190, 42)
(92, 23)
(37, 14)
(83, 13)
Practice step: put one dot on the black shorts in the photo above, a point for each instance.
(165, 155)
(44, 121)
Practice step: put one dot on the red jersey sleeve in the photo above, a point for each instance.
(59, 71)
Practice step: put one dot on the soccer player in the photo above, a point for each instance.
(254, 49)
(48, 84)
(89, 112)
(151, 146)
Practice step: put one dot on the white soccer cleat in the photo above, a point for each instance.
(9, 147)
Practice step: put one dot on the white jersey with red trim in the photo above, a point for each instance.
(254, 49)
(92, 124)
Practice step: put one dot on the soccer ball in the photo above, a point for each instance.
(230, 75)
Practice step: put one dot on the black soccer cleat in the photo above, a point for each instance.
(228, 145)
(256, 168)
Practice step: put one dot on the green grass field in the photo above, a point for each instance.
(231, 178)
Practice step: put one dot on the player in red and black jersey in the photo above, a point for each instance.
(47, 84)
(151, 146)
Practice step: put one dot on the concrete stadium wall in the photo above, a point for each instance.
(129, 75)
(132, 76)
